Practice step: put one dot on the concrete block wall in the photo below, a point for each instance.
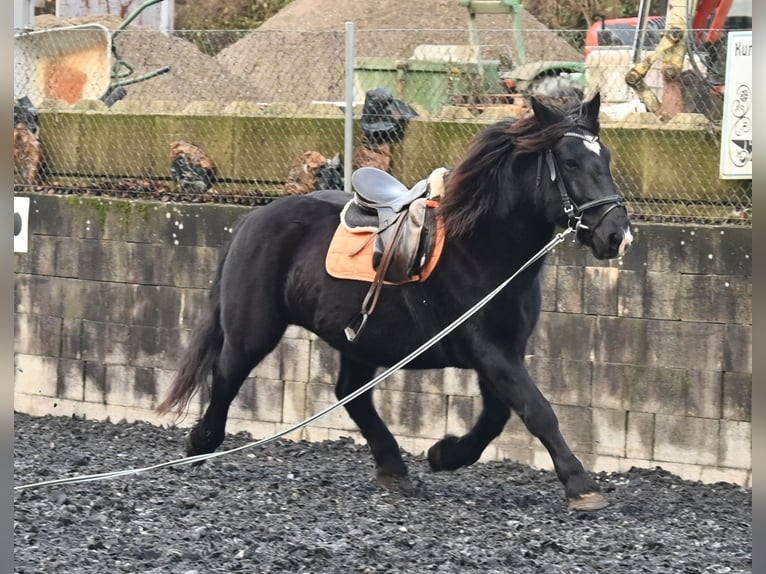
(647, 360)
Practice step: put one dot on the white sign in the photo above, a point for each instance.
(737, 126)
(20, 224)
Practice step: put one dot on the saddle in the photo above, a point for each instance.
(400, 223)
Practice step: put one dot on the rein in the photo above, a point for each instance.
(573, 211)
(557, 239)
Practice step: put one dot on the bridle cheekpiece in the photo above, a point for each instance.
(573, 211)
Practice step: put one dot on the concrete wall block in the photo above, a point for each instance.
(294, 359)
(413, 414)
(122, 388)
(620, 340)
(102, 260)
(270, 367)
(41, 295)
(515, 434)
(193, 303)
(269, 400)
(296, 332)
(716, 299)
(716, 251)
(70, 382)
(324, 363)
(610, 383)
(609, 432)
(562, 381)
(154, 306)
(600, 290)
(663, 246)
(691, 472)
(570, 253)
(738, 348)
(460, 415)
(639, 436)
(737, 396)
(244, 405)
(631, 296)
(37, 334)
(687, 440)
(569, 289)
(294, 403)
(602, 463)
(712, 475)
(736, 443)
(190, 267)
(521, 455)
(564, 335)
(736, 251)
(71, 338)
(576, 424)
(256, 429)
(94, 383)
(55, 256)
(35, 375)
(143, 264)
(321, 396)
(416, 381)
(681, 392)
(548, 286)
(662, 295)
(108, 343)
(678, 344)
(460, 382)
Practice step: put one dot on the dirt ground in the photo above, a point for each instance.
(300, 507)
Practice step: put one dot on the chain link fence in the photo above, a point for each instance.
(243, 116)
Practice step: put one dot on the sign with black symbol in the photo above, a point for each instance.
(737, 126)
(20, 224)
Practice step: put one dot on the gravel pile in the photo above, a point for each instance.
(300, 507)
(297, 55)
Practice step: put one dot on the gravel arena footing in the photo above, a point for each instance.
(315, 508)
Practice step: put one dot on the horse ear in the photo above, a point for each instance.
(545, 115)
(593, 106)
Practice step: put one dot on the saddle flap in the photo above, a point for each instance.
(376, 188)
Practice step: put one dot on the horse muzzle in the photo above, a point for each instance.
(610, 235)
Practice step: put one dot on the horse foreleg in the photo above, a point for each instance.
(230, 371)
(533, 408)
(452, 452)
(390, 470)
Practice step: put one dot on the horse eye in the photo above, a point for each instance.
(570, 164)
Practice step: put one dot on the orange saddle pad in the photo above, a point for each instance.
(347, 259)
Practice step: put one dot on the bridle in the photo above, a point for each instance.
(573, 211)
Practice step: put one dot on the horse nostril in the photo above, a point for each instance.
(615, 239)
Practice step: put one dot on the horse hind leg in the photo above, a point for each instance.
(230, 371)
(452, 452)
(390, 470)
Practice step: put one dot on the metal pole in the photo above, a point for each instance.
(23, 15)
(348, 137)
(638, 40)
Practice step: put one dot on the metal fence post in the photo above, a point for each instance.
(348, 137)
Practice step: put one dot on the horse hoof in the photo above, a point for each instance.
(588, 502)
(402, 484)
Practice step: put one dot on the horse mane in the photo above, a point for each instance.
(487, 172)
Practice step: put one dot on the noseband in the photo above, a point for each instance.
(573, 211)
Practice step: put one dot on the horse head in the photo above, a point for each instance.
(573, 169)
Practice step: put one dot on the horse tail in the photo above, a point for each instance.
(201, 353)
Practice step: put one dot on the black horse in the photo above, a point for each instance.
(519, 181)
